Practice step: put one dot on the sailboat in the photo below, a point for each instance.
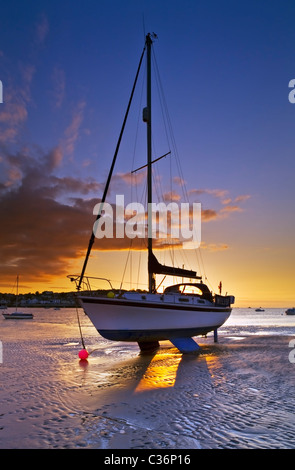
(290, 311)
(176, 314)
(17, 315)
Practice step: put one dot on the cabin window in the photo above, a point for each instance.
(191, 290)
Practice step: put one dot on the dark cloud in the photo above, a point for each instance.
(42, 228)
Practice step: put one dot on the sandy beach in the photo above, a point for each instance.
(236, 394)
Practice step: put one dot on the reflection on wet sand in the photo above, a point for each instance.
(167, 364)
(161, 371)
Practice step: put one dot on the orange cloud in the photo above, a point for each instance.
(228, 209)
(130, 178)
(209, 214)
(242, 198)
(214, 246)
(223, 196)
(178, 180)
(171, 196)
(218, 193)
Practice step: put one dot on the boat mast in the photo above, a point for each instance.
(148, 120)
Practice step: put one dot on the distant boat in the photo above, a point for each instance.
(151, 317)
(290, 311)
(259, 309)
(17, 315)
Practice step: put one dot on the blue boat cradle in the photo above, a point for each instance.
(186, 345)
(189, 345)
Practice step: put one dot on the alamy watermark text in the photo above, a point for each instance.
(292, 92)
(180, 222)
(292, 352)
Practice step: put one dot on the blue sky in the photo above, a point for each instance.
(67, 69)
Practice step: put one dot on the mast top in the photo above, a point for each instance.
(150, 37)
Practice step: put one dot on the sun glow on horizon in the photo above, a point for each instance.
(251, 288)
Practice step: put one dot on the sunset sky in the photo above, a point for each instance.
(67, 69)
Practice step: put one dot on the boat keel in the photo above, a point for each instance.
(148, 346)
(186, 345)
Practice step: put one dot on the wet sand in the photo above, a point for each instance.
(236, 394)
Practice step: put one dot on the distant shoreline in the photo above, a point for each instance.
(46, 299)
(50, 299)
(43, 305)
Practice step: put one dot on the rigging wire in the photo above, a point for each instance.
(133, 183)
(172, 142)
(92, 237)
(79, 324)
(169, 134)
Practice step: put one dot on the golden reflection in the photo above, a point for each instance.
(161, 372)
(214, 366)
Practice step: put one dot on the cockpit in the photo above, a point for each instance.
(194, 289)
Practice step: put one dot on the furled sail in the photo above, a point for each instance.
(157, 268)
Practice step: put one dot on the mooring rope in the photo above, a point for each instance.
(79, 324)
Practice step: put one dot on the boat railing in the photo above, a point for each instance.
(85, 286)
(224, 300)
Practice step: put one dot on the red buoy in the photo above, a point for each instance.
(83, 354)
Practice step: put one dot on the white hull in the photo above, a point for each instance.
(152, 317)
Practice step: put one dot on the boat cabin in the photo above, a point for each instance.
(190, 288)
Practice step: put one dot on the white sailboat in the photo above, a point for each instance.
(177, 314)
(17, 315)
